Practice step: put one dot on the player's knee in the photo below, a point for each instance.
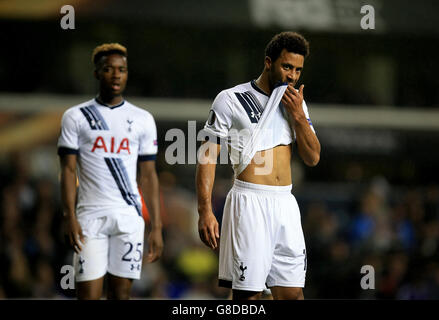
(119, 291)
(118, 294)
(89, 294)
(296, 294)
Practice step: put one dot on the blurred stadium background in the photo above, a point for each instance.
(373, 97)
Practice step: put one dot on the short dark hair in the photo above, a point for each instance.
(289, 40)
(107, 49)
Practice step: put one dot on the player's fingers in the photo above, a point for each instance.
(158, 248)
(154, 252)
(291, 90)
(301, 89)
(286, 100)
(77, 248)
(217, 230)
(81, 236)
(73, 243)
(150, 258)
(205, 237)
(152, 255)
(294, 96)
(77, 242)
(212, 237)
(290, 95)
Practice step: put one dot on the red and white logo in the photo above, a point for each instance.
(100, 144)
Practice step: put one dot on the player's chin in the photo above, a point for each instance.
(116, 93)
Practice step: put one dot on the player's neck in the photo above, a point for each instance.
(263, 84)
(109, 100)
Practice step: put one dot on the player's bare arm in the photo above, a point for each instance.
(307, 142)
(73, 231)
(149, 185)
(208, 227)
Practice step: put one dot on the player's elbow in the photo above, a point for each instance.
(313, 160)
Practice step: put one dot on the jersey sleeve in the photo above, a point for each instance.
(148, 140)
(305, 110)
(68, 141)
(219, 120)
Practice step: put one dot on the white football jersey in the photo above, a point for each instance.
(108, 141)
(236, 112)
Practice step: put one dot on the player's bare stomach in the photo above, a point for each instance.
(269, 167)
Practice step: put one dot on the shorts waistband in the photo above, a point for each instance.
(240, 185)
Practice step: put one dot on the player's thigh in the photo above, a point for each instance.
(287, 293)
(90, 290)
(126, 247)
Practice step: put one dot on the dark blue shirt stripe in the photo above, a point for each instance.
(99, 117)
(88, 116)
(96, 119)
(258, 110)
(118, 181)
(247, 107)
(252, 106)
(121, 175)
(119, 164)
(255, 101)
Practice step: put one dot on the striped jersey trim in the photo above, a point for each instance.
(251, 105)
(94, 118)
(120, 175)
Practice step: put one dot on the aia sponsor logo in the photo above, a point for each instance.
(111, 146)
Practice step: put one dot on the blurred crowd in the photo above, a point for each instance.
(394, 229)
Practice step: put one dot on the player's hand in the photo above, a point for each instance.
(292, 100)
(73, 233)
(208, 230)
(155, 245)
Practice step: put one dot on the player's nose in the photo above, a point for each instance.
(116, 74)
(292, 77)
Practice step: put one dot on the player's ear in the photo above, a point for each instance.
(96, 74)
(267, 62)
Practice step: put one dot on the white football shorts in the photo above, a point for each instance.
(113, 244)
(262, 243)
